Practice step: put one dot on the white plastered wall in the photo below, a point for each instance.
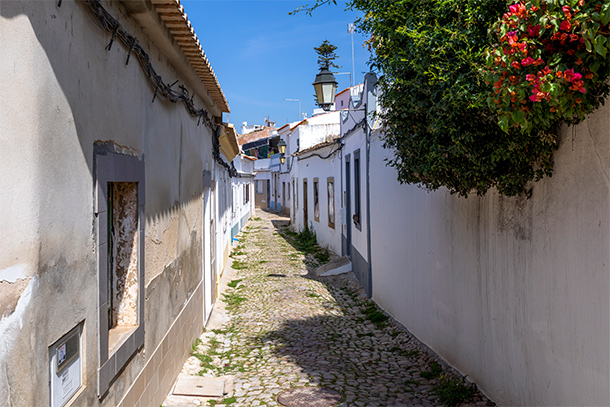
(67, 92)
(513, 292)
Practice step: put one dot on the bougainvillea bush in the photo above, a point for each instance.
(549, 64)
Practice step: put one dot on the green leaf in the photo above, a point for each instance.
(605, 13)
(599, 45)
(594, 66)
(518, 116)
(503, 123)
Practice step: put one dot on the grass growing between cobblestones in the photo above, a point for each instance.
(434, 372)
(305, 242)
(233, 300)
(453, 392)
(288, 328)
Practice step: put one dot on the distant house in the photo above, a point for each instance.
(115, 193)
(243, 192)
(261, 144)
(309, 172)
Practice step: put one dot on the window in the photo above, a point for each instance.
(122, 257)
(330, 183)
(316, 200)
(289, 191)
(296, 194)
(259, 187)
(357, 206)
(120, 246)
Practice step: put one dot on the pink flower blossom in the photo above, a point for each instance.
(527, 61)
(534, 31)
(569, 74)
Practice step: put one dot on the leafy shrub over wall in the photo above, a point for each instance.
(436, 116)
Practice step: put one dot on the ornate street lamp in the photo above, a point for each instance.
(281, 146)
(326, 88)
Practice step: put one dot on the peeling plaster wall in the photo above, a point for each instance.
(69, 92)
(125, 254)
(513, 292)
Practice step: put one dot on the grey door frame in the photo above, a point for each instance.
(348, 207)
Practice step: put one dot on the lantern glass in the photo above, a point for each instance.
(282, 146)
(282, 159)
(326, 88)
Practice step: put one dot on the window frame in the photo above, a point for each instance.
(357, 191)
(330, 205)
(116, 168)
(316, 199)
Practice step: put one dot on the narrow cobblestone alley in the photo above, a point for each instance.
(283, 327)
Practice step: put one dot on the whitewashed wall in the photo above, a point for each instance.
(513, 292)
(312, 167)
(65, 93)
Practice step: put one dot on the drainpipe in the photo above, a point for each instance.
(368, 201)
(367, 81)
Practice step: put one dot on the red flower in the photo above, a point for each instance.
(527, 61)
(569, 74)
(534, 31)
(515, 64)
(565, 25)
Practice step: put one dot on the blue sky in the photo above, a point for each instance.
(261, 55)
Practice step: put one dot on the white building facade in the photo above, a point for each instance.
(512, 292)
(111, 191)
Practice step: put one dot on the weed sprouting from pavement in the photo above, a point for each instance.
(452, 392)
(239, 265)
(234, 283)
(376, 317)
(434, 372)
(323, 255)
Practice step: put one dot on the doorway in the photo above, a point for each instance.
(348, 209)
(305, 217)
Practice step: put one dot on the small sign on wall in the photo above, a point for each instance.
(65, 367)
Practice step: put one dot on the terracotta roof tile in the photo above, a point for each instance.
(175, 19)
(255, 135)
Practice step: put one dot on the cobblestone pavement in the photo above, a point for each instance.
(286, 328)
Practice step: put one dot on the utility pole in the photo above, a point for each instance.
(350, 30)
